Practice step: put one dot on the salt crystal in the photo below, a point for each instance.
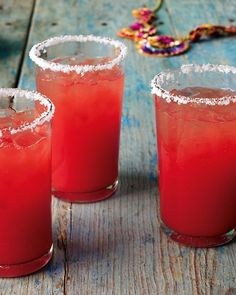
(32, 96)
(163, 77)
(36, 50)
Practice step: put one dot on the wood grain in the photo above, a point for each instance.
(15, 18)
(116, 246)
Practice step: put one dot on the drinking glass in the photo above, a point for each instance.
(84, 77)
(25, 187)
(196, 139)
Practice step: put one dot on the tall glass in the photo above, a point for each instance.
(196, 139)
(25, 186)
(84, 77)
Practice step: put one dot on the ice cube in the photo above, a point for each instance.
(6, 112)
(6, 118)
(26, 116)
(26, 138)
(5, 140)
(204, 92)
(187, 92)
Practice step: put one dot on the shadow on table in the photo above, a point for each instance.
(9, 47)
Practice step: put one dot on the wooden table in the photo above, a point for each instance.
(116, 246)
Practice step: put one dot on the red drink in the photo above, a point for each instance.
(197, 152)
(25, 193)
(86, 127)
(197, 164)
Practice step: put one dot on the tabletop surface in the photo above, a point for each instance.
(116, 246)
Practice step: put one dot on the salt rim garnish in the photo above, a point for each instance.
(33, 96)
(36, 51)
(160, 78)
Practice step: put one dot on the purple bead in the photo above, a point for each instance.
(136, 26)
(165, 39)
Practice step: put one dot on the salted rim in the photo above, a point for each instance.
(160, 78)
(35, 53)
(33, 96)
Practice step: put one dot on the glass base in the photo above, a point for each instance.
(199, 242)
(22, 269)
(87, 197)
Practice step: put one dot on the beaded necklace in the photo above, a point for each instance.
(147, 41)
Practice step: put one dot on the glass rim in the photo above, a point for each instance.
(159, 79)
(32, 96)
(35, 53)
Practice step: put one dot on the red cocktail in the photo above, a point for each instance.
(84, 78)
(25, 187)
(197, 153)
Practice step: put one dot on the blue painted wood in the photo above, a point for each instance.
(14, 20)
(116, 246)
(194, 13)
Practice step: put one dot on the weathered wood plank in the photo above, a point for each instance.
(14, 21)
(194, 13)
(116, 246)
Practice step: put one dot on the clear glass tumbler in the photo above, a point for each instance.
(196, 122)
(84, 77)
(25, 187)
